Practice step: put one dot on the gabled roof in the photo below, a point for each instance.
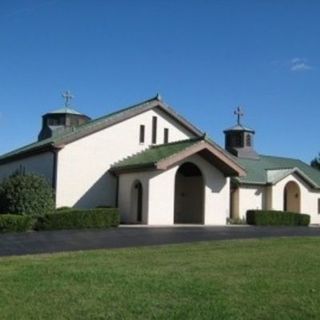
(270, 170)
(74, 133)
(276, 175)
(163, 156)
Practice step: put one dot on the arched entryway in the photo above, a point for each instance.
(136, 201)
(189, 194)
(291, 197)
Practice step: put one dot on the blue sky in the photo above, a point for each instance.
(204, 57)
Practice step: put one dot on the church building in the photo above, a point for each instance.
(159, 169)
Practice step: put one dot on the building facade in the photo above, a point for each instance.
(159, 169)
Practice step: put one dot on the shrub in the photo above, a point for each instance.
(65, 208)
(26, 194)
(236, 221)
(15, 223)
(277, 218)
(79, 219)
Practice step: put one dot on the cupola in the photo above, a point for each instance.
(56, 121)
(239, 139)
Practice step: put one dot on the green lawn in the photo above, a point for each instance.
(248, 279)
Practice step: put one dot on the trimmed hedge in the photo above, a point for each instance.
(15, 223)
(79, 219)
(277, 218)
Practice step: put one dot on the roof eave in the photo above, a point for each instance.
(29, 153)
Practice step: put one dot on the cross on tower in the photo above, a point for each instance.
(239, 113)
(67, 97)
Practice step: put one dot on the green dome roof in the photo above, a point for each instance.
(65, 110)
(239, 127)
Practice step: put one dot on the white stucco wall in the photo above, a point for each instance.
(250, 197)
(83, 180)
(308, 197)
(126, 183)
(272, 197)
(159, 194)
(216, 194)
(41, 164)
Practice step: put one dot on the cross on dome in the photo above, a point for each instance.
(239, 113)
(67, 97)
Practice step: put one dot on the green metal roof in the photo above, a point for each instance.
(73, 133)
(239, 127)
(149, 157)
(65, 110)
(268, 169)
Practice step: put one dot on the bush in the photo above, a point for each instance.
(26, 194)
(64, 209)
(236, 221)
(15, 223)
(79, 219)
(277, 218)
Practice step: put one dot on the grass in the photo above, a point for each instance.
(248, 279)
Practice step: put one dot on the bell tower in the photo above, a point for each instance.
(239, 139)
(58, 120)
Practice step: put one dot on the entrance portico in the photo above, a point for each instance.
(181, 182)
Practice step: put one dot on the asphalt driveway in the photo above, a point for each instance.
(131, 236)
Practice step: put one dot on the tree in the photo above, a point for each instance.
(316, 162)
(28, 194)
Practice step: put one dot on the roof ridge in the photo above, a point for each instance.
(278, 157)
(138, 104)
(280, 168)
(98, 120)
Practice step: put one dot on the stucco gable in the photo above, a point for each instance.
(275, 176)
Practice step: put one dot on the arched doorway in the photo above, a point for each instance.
(136, 201)
(291, 197)
(189, 194)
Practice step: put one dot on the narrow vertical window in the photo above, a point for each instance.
(248, 138)
(318, 206)
(154, 130)
(141, 135)
(166, 135)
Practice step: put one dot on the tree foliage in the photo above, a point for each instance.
(316, 162)
(26, 194)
